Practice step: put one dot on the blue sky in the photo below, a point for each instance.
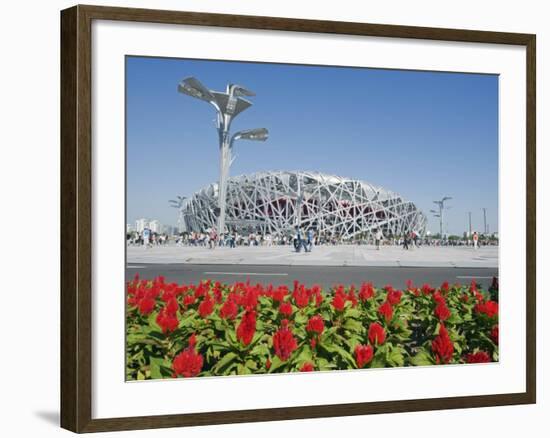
(424, 135)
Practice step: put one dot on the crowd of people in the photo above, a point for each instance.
(300, 239)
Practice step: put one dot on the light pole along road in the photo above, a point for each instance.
(228, 105)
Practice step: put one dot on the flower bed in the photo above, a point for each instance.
(214, 329)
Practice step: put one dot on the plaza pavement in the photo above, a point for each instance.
(340, 255)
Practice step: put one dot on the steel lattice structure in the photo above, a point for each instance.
(276, 202)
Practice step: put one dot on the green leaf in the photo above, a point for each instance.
(353, 325)
(224, 362)
(422, 358)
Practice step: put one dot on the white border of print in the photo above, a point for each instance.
(113, 397)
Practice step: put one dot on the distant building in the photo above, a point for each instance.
(141, 224)
(155, 226)
(129, 228)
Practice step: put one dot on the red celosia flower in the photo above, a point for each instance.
(489, 308)
(318, 298)
(442, 346)
(188, 300)
(338, 302)
(267, 364)
(410, 285)
(427, 289)
(394, 296)
(217, 291)
(442, 311)
(284, 343)
(146, 306)
(168, 321)
(386, 310)
(315, 324)
(206, 307)
(377, 334)
(229, 309)
(187, 364)
(300, 296)
(363, 355)
(280, 293)
(438, 298)
(249, 298)
(478, 357)
(285, 309)
(313, 343)
(366, 292)
(172, 306)
(308, 366)
(494, 334)
(247, 327)
(445, 287)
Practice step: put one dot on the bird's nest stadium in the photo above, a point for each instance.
(276, 202)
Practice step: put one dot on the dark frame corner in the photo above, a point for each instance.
(76, 172)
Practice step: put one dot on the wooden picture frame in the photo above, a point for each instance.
(76, 217)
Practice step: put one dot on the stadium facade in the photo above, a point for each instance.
(276, 202)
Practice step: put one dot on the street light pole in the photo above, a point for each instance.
(484, 220)
(178, 203)
(441, 205)
(228, 105)
(469, 223)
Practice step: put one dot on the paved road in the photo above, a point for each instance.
(322, 275)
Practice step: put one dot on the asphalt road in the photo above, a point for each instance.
(325, 276)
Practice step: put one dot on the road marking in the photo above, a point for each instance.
(135, 267)
(283, 274)
(473, 276)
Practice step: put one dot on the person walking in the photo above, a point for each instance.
(309, 245)
(378, 238)
(475, 238)
(298, 239)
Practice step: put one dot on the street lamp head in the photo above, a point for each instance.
(238, 90)
(258, 134)
(194, 88)
(446, 198)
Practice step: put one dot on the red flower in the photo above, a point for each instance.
(284, 343)
(442, 311)
(300, 296)
(267, 364)
(478, 357)
(366, 292)
(247, 327)
(313, 343)
(315, 324)
(188, 300)
(394, 296)
(285, 309)
(339, 301)
(146, 306)
(386, 310)
(442, 346)
(494, 334)
(445, 286)
(188, 363)
(172, 306)
(206, 307)
(280, 293)
(489, 308)
(229, 309)
(351, 296)
(427, 289)
(308, 366)
(410, 285)
(377, 334)
(363, 355)
(168, 321)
